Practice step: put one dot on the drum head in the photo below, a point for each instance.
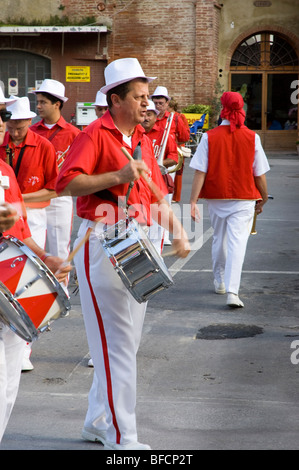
(14, 316)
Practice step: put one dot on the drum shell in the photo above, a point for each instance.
(135, 259)
(31, 283)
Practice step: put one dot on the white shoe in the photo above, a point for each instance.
(234, 301)
(26, 363)
(93, 434)
(167, 242)
(130, 446)
(219, 287)
(90, 363)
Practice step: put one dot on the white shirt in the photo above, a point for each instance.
(200, 159)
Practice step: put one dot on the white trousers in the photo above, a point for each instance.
(59, 226)
(11, 356)
(59, 229)
(113, 321)
(37, 221)
(232, 222)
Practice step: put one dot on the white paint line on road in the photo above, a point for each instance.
(295, 273)
(178, 264)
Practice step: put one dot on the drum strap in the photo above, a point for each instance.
(10, 156)
(108, 196)
(54, 133)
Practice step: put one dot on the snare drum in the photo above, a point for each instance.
(30, 295)
(135, 259)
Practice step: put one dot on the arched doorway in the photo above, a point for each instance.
(264, 69)
(29, 70)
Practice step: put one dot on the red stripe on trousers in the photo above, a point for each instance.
(104, 343)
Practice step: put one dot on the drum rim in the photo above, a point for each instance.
(30, 333)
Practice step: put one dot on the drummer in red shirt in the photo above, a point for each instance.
(113, 318)
(13, 222)
(33, 160)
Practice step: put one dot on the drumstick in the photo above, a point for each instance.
(80, 244)
(170, 253)
(153, 187)
(75, 250)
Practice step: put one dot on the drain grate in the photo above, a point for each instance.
(228, 331)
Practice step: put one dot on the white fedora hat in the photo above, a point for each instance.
(121, 71)
(20, 109)
(161, 91)
(100, 99)
(4, 100)
(152, 107)
(53, 87)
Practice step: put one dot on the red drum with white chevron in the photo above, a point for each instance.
(31, 283)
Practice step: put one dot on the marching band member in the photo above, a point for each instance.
(50, 99)
(155, 134)
(172, 107)
(113, 318)
(100, 104)
(33, 160)
(230, 166)
(161, 99)
(179, 130)
(13, 222)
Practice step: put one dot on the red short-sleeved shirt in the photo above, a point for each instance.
(61, 136)
(13, 196)
(156, 135)
(179, 128)
(97, 150)
(38, 168)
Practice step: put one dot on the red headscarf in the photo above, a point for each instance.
(233, 111)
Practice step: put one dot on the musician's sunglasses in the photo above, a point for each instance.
(5, 115)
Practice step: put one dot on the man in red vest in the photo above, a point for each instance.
(230, 166)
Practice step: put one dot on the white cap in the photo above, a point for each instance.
(152, 107)
(161, 91)
(4, 100)
(20, 109)
(121, 71)
(53, 87)
(100, 99)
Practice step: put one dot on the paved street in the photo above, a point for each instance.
(194, 392)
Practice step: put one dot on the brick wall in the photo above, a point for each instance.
(173, 40)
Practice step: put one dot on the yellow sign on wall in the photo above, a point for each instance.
(192, 117)
(77, 74)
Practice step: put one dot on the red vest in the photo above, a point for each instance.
(230, 172)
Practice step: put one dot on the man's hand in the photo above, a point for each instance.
(195, 214)
(181, 246)
(132, 171)
(8, 217)
(58, 267)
